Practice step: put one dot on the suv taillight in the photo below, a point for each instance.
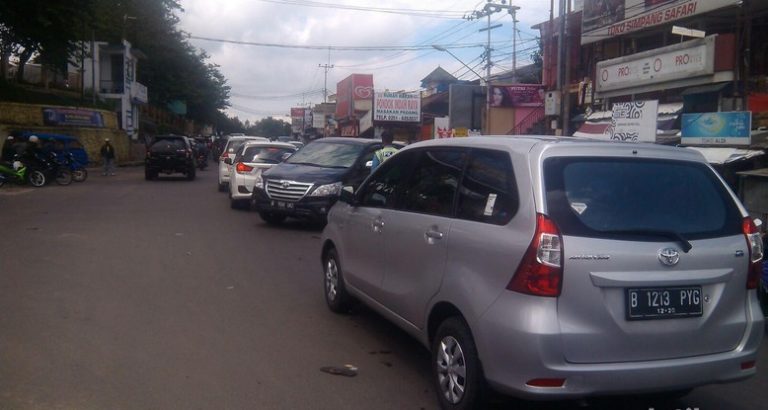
(755, 245)
(541, 271)
(242, 168)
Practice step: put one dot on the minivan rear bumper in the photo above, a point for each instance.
(518, 340)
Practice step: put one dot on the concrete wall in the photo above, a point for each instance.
(29, 117)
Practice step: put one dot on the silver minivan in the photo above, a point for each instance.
(553, 268)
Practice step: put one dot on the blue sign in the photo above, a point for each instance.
(717, 128)
(72, 116)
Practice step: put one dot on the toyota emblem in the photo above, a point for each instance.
(285, 184)
(669, 256)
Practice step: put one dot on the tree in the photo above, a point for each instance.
(270, 127)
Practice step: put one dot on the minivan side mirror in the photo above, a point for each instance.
(347, 195)
(228, 161)
(369, 164)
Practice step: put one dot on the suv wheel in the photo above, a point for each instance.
(336, 295)
(272, 219)
(456, 367)
(222, 187)
(148, 175)
(191, 174)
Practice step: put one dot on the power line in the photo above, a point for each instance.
(442, 14)
(338, 48)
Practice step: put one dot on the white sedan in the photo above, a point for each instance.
(233, 144)
(249, 161)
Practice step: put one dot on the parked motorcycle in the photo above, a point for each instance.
(202, 160)
(19, 174)
(50, 166)
(79, 173)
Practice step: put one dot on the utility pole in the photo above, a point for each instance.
(327, 66)
(490, 8)
(561, 63)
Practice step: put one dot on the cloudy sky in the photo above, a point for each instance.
(269, 80)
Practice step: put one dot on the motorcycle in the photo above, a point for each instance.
(79, 173)
(48, 163)
(19, 174)
(202, 160)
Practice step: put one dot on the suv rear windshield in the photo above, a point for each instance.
(328, 154)
(168, 144)
(619, 197)
(263, 155)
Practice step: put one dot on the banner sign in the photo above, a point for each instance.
(517, 95)
(73, 117)
(605, 19)
(633, 121)
(397, 107)
(297, 120)
(679, 61)
(717, 128)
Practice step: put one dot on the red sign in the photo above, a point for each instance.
(356, 87)
(517, 95)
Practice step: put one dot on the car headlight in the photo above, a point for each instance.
(327, 190)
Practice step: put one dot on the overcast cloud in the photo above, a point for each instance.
(268, 81)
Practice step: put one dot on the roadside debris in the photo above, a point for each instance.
(348, 370)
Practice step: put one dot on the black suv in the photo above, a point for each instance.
(308, 183)
(169, 154)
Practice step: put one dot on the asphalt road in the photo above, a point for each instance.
(120, 293)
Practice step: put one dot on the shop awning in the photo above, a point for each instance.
(705, 89)
(598, 122)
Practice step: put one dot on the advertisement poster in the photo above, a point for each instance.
(74, 117)
(633, 121)
(352, 93)
(717, 128)
(397, 107)
(517, 95)
(609, 18)
(297, 120)
(443, 128)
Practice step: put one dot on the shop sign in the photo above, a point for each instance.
(366, 122)
(297, 120)
(680, 61)
(318, 120)
(397, 107)
(349, 130)
(633, 121)
(517, 95)
(73, 117)
(352, 93)
(443, 128)
(604, 19)
(717, 128)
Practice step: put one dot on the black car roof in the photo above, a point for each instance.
(347, 140)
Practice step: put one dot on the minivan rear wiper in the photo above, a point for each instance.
(686, 245)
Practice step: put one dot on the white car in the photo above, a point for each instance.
(250, 160)
(233, 143)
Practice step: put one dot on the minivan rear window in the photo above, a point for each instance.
(619, 197)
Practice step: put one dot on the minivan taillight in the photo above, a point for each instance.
(755, 245)
(541, 271)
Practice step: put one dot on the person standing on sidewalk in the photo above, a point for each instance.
(108, 157)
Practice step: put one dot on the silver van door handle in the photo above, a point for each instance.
(377, 225)
(433, 234)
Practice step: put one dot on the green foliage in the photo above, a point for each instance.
(173, 68)
(270, 127)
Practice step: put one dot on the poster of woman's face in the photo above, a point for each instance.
(517, 95)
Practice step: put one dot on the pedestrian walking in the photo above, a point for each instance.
(385, 152)
(108, 157)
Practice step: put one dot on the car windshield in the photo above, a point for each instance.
(263, 155)
(606, 197)
(328, 154)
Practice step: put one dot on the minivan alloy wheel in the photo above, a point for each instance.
(331, 279)
(336, 296)
(451, 369)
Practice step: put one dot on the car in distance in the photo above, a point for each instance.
(308, 183)
(251, 159)
(553, 268)
(169, 154)
(230, 147)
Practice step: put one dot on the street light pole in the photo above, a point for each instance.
(441, 48)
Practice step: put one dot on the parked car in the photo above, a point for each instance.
(308, 183)
(169, 154)
(553, 268)
(251, 159)
(231, 146)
